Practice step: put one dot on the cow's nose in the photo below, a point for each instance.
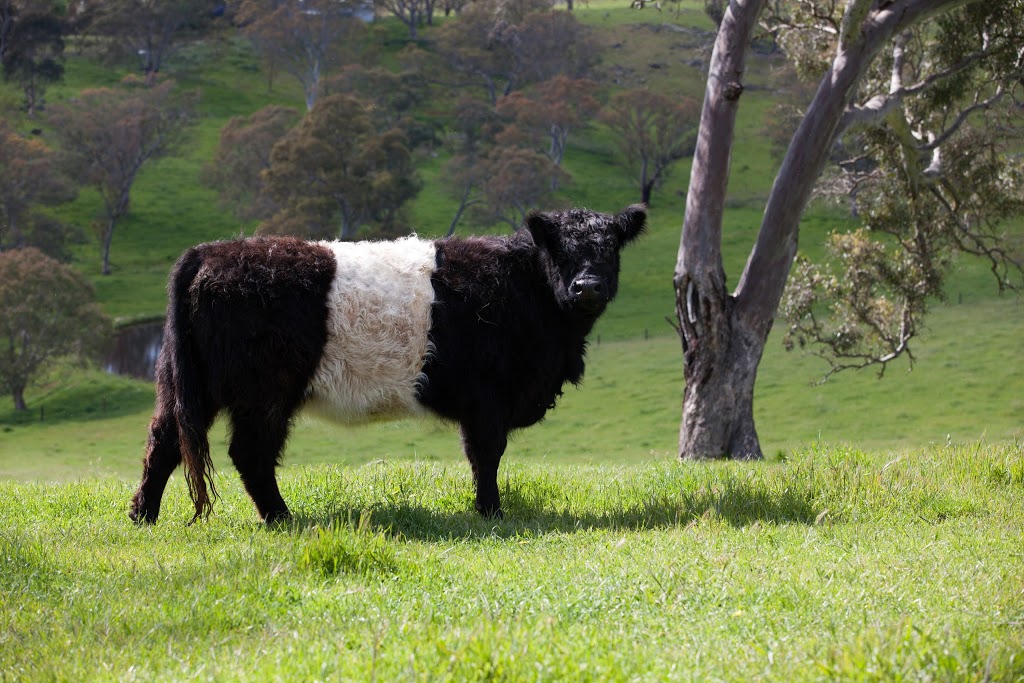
(587, 288)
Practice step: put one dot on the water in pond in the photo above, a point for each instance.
(135, 349)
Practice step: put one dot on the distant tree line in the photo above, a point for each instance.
(498, 92)
(506, 84)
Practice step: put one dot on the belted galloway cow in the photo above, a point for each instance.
(481, 331)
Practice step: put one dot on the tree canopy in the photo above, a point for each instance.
(150, 32)
(242, 155)
(31, 47)
(47, 311)
(336, 173)
(304, 39)
(653, 132)
(917, 79)
(109, 134)
(30, 177)
(500, 47)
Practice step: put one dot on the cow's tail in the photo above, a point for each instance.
(191, 395)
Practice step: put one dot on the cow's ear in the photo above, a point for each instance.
(631, 222)
(541, 228)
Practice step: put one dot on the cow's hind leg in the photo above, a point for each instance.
(163, 455)
(484, 448)
(256, 443)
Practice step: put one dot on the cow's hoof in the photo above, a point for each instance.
(141, 518)
(488, 512)
(277, 518)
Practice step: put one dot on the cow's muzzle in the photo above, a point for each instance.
(588, 294)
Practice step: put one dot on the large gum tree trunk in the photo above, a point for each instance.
(723, 335)
(720, 357)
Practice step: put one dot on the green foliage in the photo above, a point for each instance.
(243, 154)
(109, 134)
(30, 178)
(47, 311)
(928, 170)
(653, 131)
(303, 40)
(32, 48)
(146, 34)
(338, 173)
(500, 47)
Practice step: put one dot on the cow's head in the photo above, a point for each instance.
(583, 249)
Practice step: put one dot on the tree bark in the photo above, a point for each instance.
(723, 335)
(18, 393)
(719, 359)
(108, 239)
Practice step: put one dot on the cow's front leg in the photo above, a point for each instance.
(484, 448)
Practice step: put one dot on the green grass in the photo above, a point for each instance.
(880, 541)
(839, 564)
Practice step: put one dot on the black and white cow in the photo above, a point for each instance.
(481, 331)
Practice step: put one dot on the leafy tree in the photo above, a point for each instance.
(652, 132)
(30, 177)
(32, 47)
(110, 134)
(918, 79)
(146, 30)
(514, 180)
(412, 13)
(553, 110)
(474, 127)
(553, 43)
(495, 171)
(303, 38)
(336, 173)
(242, 155)
(394, 96)
(47, 312)
(504, 46)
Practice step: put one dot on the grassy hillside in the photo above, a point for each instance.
(967, 384)
(627, 410)
(839, 565)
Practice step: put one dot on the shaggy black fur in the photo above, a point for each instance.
(246, 325)
(509, 326)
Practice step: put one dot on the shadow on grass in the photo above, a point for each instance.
(737, 503)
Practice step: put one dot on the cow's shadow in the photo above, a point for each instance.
(742, 506)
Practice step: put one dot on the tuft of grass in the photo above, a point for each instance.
(349, 547)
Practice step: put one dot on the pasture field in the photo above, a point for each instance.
(881, 540)
(838, 564)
